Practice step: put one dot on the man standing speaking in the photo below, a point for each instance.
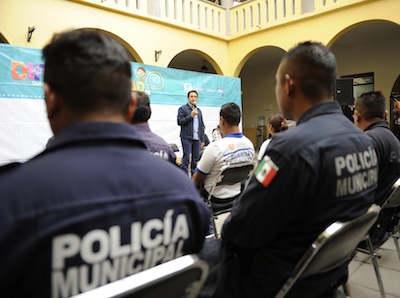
(190, 119)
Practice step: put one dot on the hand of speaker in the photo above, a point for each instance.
(195, 112)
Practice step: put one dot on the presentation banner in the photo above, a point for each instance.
(21, 72)
(24, 128)
(169, 86)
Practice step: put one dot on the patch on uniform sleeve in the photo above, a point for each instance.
(266, 171)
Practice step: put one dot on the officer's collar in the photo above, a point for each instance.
(381, 123)
(234, 135)
(329, 107)
(95, 131)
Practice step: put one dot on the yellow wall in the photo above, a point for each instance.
(382, 59)
(144, 37)
(251, 133)
(324, 27)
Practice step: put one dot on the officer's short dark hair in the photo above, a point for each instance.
(143, 110)
(314, 67)
(231, 113)
(371, 105)
(90, 70)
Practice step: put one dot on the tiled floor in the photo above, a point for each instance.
(362, 281)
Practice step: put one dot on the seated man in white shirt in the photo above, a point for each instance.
(233, 148)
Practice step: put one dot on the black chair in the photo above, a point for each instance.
(229, 175)
(392, 206)
(174, 147)
(333, 248)
(387, 226)
(181, 277)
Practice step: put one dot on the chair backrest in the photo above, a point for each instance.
(332, 248)
(181, 277)
(393, 199)
(174, 147)
(235, 173)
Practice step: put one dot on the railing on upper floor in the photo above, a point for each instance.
(252, 16)
(197, 15)
(208, 18)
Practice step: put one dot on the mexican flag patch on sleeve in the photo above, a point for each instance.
(266, 171)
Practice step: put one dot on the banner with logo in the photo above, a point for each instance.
(168, 86)
(24, 128)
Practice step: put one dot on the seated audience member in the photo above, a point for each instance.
(216, 133)
(305, 182)
(370, 116)
(204, 145)
(154, 143)
(396, 114)
(81, 213)
(276, 123)
(233, 148)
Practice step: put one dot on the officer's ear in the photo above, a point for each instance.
(131, 109)
(357, 116)
(289, 82)
(221, 121)
(55, 108)
(52, 101)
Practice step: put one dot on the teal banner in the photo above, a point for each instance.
(21, 72)
(170, 86)
(21, 76)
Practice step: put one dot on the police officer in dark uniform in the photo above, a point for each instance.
(306, 180)
(370, 116)
(95, 205)
(154, 143)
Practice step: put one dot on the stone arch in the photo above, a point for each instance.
(195, 60)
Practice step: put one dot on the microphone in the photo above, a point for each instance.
(194, 106)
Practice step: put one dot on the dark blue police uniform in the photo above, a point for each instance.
(315, 169)
(154, 143)
(387, 148)
(94, 207)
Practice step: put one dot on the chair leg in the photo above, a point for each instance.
(396, 243)
(346, 289)
(376, 268)
(214, 227)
